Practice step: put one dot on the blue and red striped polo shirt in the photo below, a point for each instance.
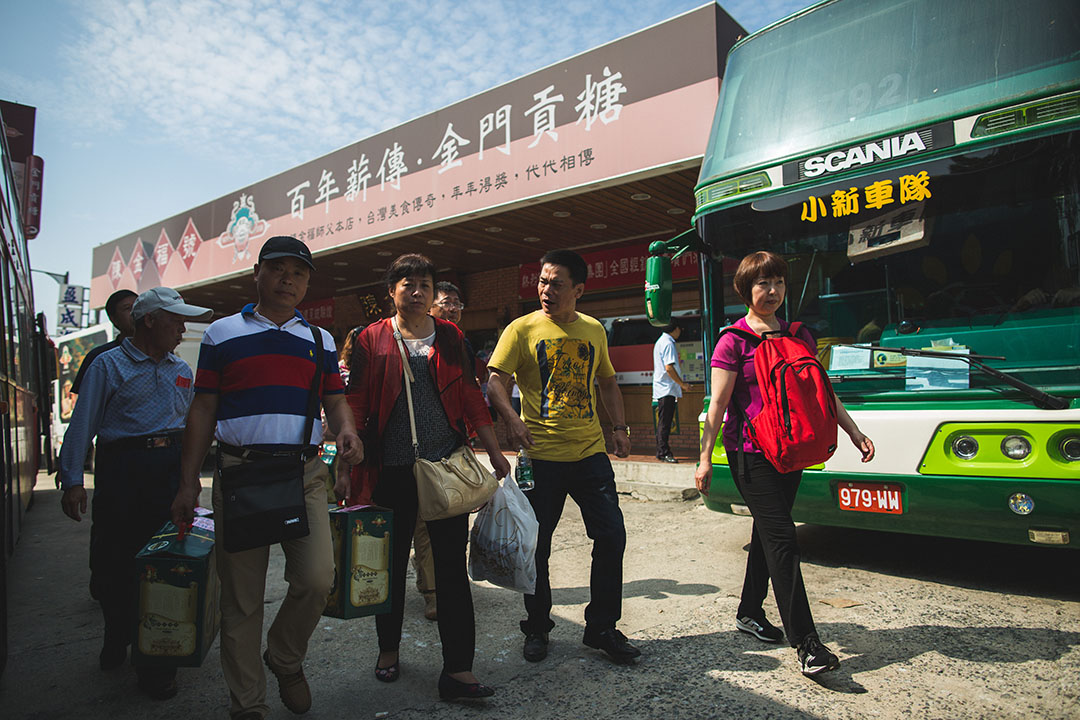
(262, 375)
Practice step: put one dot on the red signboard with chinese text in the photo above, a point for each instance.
(35, 176)
(592, 119)
(612, 268)
(319, 313)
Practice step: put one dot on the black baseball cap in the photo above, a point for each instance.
(281, 246)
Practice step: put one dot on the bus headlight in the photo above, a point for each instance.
(1070, 448)
(1021, 504)
(965, 447)
(1015, 447)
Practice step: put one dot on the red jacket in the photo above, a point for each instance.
(377, 378)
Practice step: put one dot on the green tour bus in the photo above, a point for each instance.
(917, 162)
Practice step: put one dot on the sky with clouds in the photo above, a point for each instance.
(148, 107)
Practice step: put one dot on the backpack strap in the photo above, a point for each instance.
(750, 337)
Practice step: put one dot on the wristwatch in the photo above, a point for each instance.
(625, 428)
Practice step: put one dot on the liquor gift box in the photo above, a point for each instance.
(178, 612)
(361, 535)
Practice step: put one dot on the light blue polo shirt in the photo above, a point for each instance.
(125, 393)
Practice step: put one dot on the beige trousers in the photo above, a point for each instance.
(309, 571)
(423, 560)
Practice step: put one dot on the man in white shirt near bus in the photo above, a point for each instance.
(668, 387)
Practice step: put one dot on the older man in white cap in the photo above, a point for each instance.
(134, 399)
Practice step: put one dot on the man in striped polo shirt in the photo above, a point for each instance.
(251, 392)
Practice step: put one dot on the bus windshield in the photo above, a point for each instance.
(987, 260)
(796, 86)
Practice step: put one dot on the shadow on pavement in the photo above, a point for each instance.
(651, 588)
(1029, 571)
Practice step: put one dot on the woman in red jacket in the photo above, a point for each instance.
(447, 401)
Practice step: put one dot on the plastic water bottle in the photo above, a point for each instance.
(524, 474)
(329, 450)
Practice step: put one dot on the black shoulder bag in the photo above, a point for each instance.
(264, 493)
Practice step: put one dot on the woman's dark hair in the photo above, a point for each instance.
(761, 264)
(570, 260)
(409, 265)
(347, 344)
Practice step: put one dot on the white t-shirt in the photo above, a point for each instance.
(664, 353)
(421, 346)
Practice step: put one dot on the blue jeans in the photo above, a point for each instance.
(591, 484)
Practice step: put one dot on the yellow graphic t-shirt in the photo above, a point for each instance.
(556, 367)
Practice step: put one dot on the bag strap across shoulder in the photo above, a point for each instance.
(409, 379)
(747, 335)
(316, 381)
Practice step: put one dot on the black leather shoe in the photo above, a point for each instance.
(613, 642)
(451, 689)
(669, 459)
(159, 684)
(112, 656)
(536, 647)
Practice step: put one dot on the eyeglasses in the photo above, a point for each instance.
(451, 305)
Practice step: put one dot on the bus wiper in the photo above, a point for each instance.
(1040, 398)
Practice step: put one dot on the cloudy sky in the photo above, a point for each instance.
(149, 107)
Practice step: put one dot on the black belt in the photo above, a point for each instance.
(246, 453)
(145, 442)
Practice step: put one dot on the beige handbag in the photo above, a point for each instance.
(454, 485)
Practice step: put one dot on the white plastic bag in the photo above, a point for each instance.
(503, 540)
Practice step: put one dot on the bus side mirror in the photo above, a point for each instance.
(658, 290)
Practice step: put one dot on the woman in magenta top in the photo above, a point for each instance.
(761, 281)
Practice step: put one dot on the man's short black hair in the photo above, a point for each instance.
(446, 287)
(671, 327)
(570, 260)
(114, 300)
(409, 265)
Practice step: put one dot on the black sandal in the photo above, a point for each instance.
(388, 674)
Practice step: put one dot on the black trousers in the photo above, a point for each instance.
(665, 414)
(449, 537)
(132, 499)
(591, 484)
(774, 547)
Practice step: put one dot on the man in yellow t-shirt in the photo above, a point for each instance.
(559, 357)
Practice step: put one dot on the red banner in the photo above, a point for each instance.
(318, 312)
(612, 268)
(35, 177)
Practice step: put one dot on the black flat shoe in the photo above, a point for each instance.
(451, 689)
(388, 674)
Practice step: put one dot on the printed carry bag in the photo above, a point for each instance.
(502, 545)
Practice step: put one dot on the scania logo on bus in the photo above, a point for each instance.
(871, 153)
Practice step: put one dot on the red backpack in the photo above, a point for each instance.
(796, 427)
